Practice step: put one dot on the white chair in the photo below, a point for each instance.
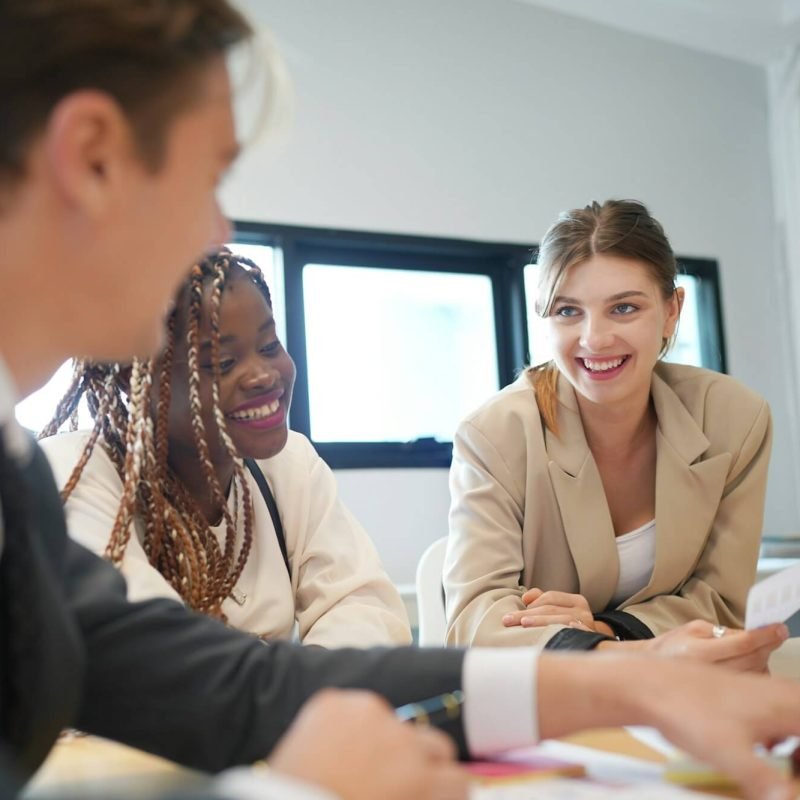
(430, 597)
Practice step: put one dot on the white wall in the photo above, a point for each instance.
(483, 119)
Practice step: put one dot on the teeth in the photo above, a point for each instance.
(601, 366)
(261, 412)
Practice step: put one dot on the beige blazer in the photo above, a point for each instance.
(528, 509)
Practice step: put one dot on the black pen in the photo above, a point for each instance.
(434, 710)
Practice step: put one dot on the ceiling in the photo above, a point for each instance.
(755, 31)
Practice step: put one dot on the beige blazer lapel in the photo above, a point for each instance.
(688, 492)
(582, 503)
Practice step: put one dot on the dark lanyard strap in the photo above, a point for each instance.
(263, 486)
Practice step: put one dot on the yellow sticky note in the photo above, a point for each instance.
(688, 772)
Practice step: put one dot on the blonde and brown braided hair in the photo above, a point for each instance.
(132, 428)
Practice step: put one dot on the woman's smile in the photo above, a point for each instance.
(269, 414)
(603, 369)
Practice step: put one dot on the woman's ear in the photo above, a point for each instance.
(680, 295)
(672, 308)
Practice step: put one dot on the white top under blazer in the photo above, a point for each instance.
(637, 557)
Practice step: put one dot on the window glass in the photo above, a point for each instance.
(396, 355)
(538, 343)
(37, 409)
(270, 262)
(687, 347)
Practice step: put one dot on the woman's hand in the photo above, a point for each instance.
(553, 608)
(737, 649)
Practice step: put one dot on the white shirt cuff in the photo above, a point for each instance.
(249, 784)
(500, 701)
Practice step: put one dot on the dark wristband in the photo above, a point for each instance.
(626, 627)
(576, 639)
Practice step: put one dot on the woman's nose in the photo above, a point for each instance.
(596, 333)
(260, 376)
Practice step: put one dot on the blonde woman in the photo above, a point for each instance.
(607, 495)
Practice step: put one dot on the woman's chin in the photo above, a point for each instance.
(263, 447)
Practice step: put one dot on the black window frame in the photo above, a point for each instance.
(503, 263)
(712, 325)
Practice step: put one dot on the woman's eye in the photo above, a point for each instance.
(625, 308)
(272, 349)
(565, 311)
(225, 365)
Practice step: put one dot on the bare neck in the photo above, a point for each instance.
(616, 433)
(35, 331)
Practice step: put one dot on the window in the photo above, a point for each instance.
(396, 355)
(688, 347)
(37, 409)
(396, 338)
(270, 263)
(701, 339)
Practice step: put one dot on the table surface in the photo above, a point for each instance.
(87, 768)
(93, 769)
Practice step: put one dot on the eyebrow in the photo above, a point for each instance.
(614, 297)
(223, 340)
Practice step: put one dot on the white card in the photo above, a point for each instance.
(774, 599)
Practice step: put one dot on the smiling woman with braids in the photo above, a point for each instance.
(173, 482)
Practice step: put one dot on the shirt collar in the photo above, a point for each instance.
(8, 394)
(18, 443)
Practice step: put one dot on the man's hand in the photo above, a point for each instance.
(351, 743)
(716, 715)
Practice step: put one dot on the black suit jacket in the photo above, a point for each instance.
(160, 678)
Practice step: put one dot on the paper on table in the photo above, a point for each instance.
(600, 765)
(774, 599)
(565, 789)
(654, 739)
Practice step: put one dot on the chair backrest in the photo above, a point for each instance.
(430, 597)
